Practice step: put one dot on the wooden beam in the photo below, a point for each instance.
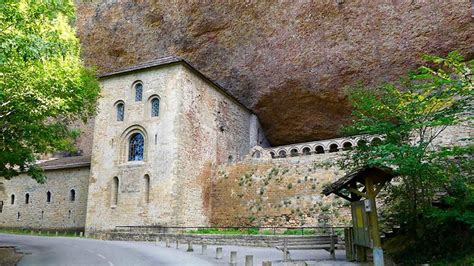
(343, 196)
(379, 187)
(355, 191)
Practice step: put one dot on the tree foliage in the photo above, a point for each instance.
(43, 83)
(433, 197)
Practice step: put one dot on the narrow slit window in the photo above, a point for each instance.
(72, 195)
(147, 188)
(27, 198)
(155, 107)
(12, 199)
(138, 92)
(115, 190)
(120, 112)
(48, 196)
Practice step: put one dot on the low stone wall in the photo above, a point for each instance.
(209, 239)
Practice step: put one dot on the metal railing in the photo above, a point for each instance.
(243, 230)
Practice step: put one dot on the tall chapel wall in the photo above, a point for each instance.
(110, 151)
(60, 213)
(213, 129)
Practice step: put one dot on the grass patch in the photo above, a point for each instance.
(17, 231)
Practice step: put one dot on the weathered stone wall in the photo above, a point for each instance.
(198, 126)
(212, 129)
(59, 214)
(110, 152)
(278, 192)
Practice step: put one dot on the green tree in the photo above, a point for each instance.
(433, 197)
(43, 83)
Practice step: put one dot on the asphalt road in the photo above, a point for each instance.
(80, 251)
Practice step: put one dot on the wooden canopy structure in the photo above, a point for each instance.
(361, 188)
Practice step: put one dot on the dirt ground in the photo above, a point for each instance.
(8, 256)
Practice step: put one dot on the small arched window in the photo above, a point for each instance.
(12, 199)
(120, 111)
(155, 107)
(115, 190)
(272, 154)
(147, 188)
(362, 143)
(48, 196)
(256, 154)
(72, 195)
(294, 152)
(138, 92)
(376, 141)
(347, 146)
(333, 148)
(306, 151)
(27, 198)
(282, 154)
(136, 147)
(319, 149)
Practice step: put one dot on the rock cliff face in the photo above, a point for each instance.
(289, 62)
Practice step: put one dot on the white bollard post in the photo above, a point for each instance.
(177, 243)
(190, 246)
(249, 260)
(81, 234)
(233, 258)
(204, 249)
(168, 243)
(56, 233)
(218, 253)
(157, 241)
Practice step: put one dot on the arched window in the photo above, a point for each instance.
(306, 151)
(272, 154)
(72, 195)
(27, 198)
(48, 196)
(12, 199)
(115, 190)
(138, 92)
(333, 148)
(294, 152)
(136, 147)
(361, 143)
(319, 149)
(347, 146)
(147, 188)
(282, 154)
(256, 154)
(376, 141)
(120, 111)
(155, 107)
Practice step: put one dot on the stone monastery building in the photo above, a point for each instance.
(172, 148)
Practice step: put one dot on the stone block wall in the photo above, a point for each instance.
(61, 213)
(278, 192)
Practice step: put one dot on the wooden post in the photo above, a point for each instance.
(332, 251)
(285, 249)
(373, 223)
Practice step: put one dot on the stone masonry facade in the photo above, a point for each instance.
(31, 209)
(181, 152)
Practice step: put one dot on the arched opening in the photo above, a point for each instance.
(72, 195)
(138, 92)
(115, 191)
(362, 143)
(282, 154)
(155, 107)
(27, 198)
(147, 188)
(272, 154)
(18, 216)
(48, 196)
(42, 215)
(306, 151)
(12, 199)
(294, 152)
(256, 154)
(319, 149)
(120, 111)
(333, 148)
(347, 146)
(136, 147)
(376, 141)
(230, 159)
